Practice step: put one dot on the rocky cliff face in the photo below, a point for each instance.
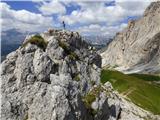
(54, 76)
(137, 48)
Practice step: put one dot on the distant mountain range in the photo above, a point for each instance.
(10, 41)
(12, 36)
(97, 40)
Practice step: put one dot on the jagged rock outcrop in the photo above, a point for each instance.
(137, 47)
(54, 76)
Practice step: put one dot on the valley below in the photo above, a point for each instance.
(141, 89)
(131, 62)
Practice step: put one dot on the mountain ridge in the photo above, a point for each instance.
(56, 75)
(136, 48)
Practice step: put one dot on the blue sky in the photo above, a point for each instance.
(20, 5)
(89, 17)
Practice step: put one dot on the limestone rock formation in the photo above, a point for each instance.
(137, 47)
(54, 76)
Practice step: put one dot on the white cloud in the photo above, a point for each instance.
(23, 20)
(89, 17)
(133, 7)
(92, 14)
(96, 29)
(53, 7)
(96, 12)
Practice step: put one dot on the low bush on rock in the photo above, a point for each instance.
(37, 40)
(64, 46)
(72, 55)
(77, 78)
(91, 97)
(26, 117)
(93, 82)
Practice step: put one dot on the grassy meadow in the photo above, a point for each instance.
(141, 89)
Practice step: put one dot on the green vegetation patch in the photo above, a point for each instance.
(139, 88)
(64, 46)
(76, 77)
(26, 117)
(72, 55)
(91, 97)
(92, 82)
(146, 77)
(37, 40)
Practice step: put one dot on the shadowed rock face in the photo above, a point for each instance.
(137, 47)
(60, 82)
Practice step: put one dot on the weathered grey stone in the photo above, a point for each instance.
(23, 67)
(94, 74)
(54, 51)
(64, 68)
(9, 64)
(30, 48)
(42, 65)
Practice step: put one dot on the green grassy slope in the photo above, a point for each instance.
(146, 77)
(139, 88)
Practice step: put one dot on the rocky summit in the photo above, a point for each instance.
(137, 47)
(56, 76)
